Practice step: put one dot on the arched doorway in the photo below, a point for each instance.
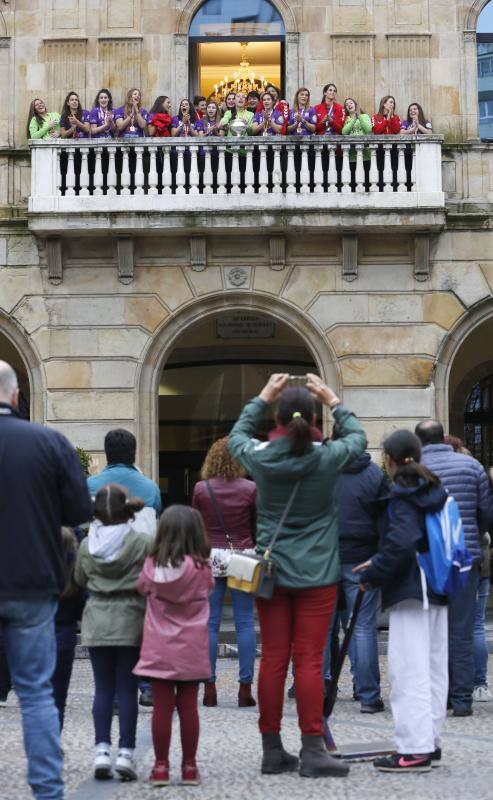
(235, 46)
(215, 366)
(10, 354)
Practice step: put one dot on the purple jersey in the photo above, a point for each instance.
(132, 130)
(98, 117)
(206, 126)
(78, 134)
(310, 115)
(259, 119)
(405, 125)
(185, 131)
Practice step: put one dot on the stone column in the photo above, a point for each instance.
(471, 110)
(293, 78)
(180, 77)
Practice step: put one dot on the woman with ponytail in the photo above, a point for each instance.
(418, 632)
(295, 466)
(108, 563)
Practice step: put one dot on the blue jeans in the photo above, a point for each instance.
(113, 677)
(363, 648)
(461, 613)
(480, 646)
(29, 633)
(244, 624)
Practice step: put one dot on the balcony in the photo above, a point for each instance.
(263, 183)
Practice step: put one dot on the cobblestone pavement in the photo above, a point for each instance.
(229, 753)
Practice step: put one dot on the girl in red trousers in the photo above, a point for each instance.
(177, 580)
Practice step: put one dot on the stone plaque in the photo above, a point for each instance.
(244, 326)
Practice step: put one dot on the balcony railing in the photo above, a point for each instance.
(226, 174)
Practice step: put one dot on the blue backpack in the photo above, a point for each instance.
(447, 563)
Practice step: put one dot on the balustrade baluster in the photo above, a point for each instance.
(180, 171)
(332, 172)
(413, 166)
(167, 176)
(388, 176)
(249, 172)
(208, 177)
(235, 172)
(58, 171)
(277, 171)
(84, 173)
(291, 170)
(194, 170)
(346, 171)
(318, 173)
(153, 176)
(304, 170)
(70, 178)
(401, 169)
(125, 172)
(263, 175)
(98, 171)
(360, 170)
(374, 177)
(139, 170)
(222, 178)
(111, 178)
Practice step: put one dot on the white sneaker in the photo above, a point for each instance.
(126, 766)
(482, 694)
(102, 763)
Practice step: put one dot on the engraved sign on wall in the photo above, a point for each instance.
(244, 326)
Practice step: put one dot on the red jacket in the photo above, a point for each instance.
(383, 126)
(237, 501)
(338, 117)
(162, 124)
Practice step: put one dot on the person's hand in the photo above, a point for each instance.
(362, 567)
(52, 123)
(274, 387)
(320, 390)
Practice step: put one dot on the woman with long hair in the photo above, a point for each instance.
(228, 103)
(357, 123)
(42, 124)
(101, 116)
(267, 122)
(418, 622)
(386, 122)
(131, 119)
(330, 115)
(416, 122)
(74, 120)
(303, 117)
(160, 117)
(183, 124)
(208, 125)
(238, 120)
(226, 501)
(296, 479)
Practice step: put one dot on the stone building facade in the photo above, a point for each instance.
(388, 294)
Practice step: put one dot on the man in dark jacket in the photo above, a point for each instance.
(466, 480)
(42, 488)
(361, 492)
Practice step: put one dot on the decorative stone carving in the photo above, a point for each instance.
(125, 248)
(422, 256)
(198, 253)
(350, 256)
(237, 276)
(55, 260)
(277, 247)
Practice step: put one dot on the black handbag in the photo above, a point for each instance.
(256, 574)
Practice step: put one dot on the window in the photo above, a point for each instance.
(485, 71)
(478, 421)
(219, 18)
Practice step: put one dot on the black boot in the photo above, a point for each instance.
(275, 758)
(316, 762)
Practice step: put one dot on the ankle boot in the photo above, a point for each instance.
(275, 758)
(210, 695)
(316, 761)
(245, 695)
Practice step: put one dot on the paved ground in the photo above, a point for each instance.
(230, 752)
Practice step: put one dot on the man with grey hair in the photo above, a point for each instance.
(42, 487)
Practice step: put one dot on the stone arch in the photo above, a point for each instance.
(192, 6)
(469, 322)
(18, 339)
(473, 14)
(163, 343)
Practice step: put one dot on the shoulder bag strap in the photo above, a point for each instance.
(283, 518)
(219, 514)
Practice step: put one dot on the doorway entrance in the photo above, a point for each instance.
(216, 366)
(10, 354)
(235, 46)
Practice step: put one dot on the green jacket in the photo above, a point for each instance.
(359, 126)
(114, 612)
(307, 550)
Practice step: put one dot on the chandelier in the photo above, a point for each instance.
(244, 80)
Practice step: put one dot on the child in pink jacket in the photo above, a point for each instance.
(177, 580)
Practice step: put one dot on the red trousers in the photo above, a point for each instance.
(294, 622)
(169, 695)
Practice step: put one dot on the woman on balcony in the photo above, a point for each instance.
(302, 118)
(131, 119)
(386, 122)
(268, 121)
(357, 124)
(416, 122)
(101, 117)
(330, 115)
(237, 121)
(160, 117)
(42, 124)
(209, 124)
(183, 124)
(228, 104)
(74, 120)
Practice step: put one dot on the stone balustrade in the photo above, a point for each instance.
(217, 174)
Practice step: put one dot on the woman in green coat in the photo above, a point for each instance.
(296, 619)
(108, 563)
(357, 123)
